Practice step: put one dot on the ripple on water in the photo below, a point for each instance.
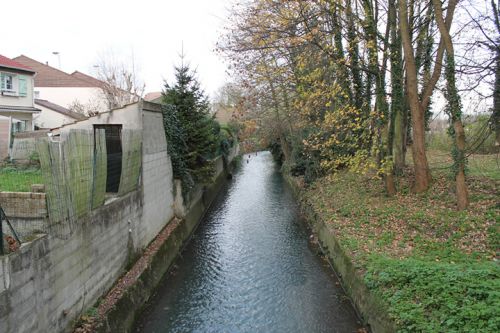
(249, 268)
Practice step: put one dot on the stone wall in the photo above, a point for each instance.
(23, 204)
(51, 281)
(26, 211)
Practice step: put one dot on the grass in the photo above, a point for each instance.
(435, 268)
(18, 178)
(487, 166)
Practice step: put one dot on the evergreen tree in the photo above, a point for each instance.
(191, 132)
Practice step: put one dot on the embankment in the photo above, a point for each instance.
(369, 306)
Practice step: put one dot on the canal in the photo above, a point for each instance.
(249, 267)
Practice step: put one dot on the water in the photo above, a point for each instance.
(249, 267)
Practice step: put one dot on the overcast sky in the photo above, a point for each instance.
(152, 31)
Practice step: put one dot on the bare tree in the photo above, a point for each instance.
(120, 83)
(89, 109)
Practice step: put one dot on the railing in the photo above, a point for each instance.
(3, 218)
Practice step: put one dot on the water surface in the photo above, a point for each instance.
(249, 267)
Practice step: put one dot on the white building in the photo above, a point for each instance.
(16, 101)
(65, 89)
(53, 115)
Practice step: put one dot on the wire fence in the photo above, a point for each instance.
(76, 170)
(9, 240)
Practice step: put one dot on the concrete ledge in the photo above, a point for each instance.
(371, 308)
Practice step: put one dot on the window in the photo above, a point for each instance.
(19, 126)
(10, 84)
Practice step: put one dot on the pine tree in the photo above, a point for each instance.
(191, 131)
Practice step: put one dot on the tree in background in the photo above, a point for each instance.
(120, 84)
(343, 84)
(89, 109)
(192, 134)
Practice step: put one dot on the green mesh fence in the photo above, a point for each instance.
(100, 164)
(74, 169)
(131, 160)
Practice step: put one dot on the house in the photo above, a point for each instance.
(16, 101)
(61, 88)
(53, 115)
(154, 97)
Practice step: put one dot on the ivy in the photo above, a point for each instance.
(427, 296)
(454, 110)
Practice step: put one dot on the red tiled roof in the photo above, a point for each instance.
(51, 77)
(9, 63)
(151, 96)
(87, 78)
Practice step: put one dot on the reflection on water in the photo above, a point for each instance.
(248, 268)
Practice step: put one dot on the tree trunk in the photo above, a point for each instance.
(422, 173)
(454, 107)
(389, 184)
(397, 100)
(495, 117)
(461, 186)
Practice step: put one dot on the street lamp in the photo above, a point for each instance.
(58, 57)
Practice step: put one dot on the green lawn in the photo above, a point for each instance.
(19, 179)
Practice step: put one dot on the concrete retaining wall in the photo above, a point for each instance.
(50, 282)
(121, 317)
(157, 176)
(369, 306)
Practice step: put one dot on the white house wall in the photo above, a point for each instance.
(22, 101)
(65, 96)
(48, 118)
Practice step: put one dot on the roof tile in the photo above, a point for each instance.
(48, 76)
(9, 63)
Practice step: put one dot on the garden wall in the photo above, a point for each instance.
(51, 281)
(27, 211)
(24, 144)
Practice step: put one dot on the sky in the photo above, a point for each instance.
(148, 33)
